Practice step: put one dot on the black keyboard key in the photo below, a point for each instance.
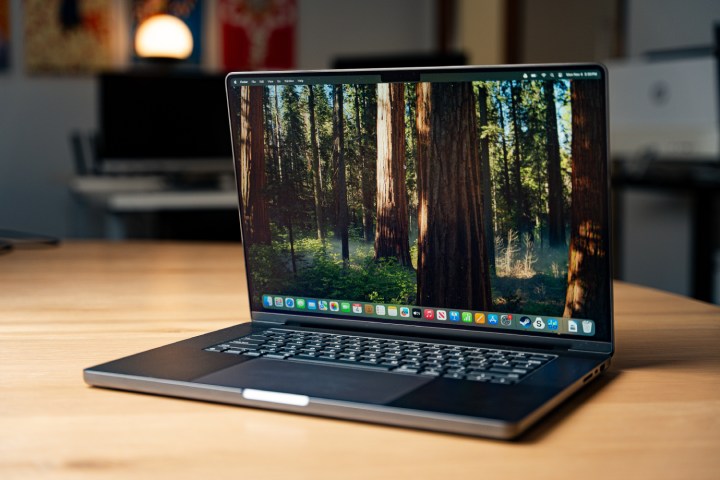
(363, 358)
(501, 365)
(482, 377)
(500, 370)
(256, 336)
(348, 359)
(249, 346)
(459, 371)
(369, 362)
(503, 380)
(279, 356)
(304, 356)
(389, 366)
(406, 369)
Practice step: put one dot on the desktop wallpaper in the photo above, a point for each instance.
(479, 195)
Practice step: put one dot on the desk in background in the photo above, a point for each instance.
(147, 207)
(700, 182)
(655, 414)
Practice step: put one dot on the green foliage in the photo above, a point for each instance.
(322, 274)
(414, 254)
(269, 271)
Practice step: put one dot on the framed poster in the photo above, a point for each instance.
(67, 36)
(258, 34)
(4, 34)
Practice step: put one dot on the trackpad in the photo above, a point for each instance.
(319, 381)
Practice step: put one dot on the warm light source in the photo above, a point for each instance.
(163, 36)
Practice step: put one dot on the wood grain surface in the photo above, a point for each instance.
(654, 414)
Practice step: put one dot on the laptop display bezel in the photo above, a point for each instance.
(565, 341)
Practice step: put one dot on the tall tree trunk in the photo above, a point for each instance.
(392, 223)
(317, 185)
(507, 196)
(486, 188)
(452, 258)
(252, 166)
(520, 201)
(556, 223)
(362, 151)
(588, 275)
(369, 166)
(269, 136)
(339, 160)
(277, 136)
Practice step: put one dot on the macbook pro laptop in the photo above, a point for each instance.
(427, 248)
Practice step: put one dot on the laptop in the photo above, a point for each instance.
(424, 247)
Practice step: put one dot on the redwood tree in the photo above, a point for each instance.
(510, 202)
(339, 161)
(315, 167)
(368, 145)
(556, 223)
(587, 290)
(486, 188)
(521, 212)
(392, 222)
(452, 258)
(251, 158)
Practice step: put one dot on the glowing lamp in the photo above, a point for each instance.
(163, 36)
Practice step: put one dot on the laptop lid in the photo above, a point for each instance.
(462, 201)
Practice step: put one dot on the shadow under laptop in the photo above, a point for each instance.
(561, 414)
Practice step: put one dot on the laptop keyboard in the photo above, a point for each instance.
(380, 354)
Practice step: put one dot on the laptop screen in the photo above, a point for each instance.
(468, 198)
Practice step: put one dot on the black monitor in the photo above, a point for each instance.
(156, 122)
(401, 60)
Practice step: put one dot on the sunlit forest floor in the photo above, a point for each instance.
(528, 279)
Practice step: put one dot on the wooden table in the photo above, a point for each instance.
(655, 414)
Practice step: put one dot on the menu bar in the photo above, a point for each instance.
(306, 80)
(589, 74)
(456, 76)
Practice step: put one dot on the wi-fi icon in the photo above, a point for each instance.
(543, 74)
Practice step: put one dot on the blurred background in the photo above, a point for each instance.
(93, 143)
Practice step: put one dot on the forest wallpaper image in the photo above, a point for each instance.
(487, 195)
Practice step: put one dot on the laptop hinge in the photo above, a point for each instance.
(601, 350)
(420, 335)
(266, 323)
(544, 343)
